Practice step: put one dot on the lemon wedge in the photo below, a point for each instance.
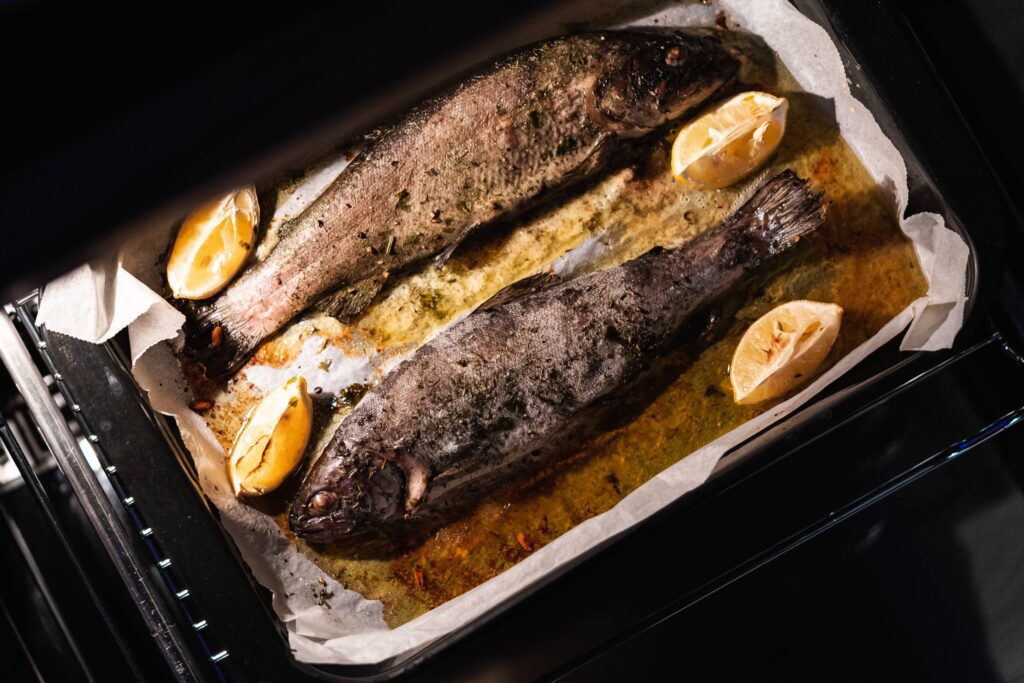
(213, 244)
(729, 140)
(782, 349)
(272, 440)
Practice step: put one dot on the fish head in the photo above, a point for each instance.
(349, 497)
(652, 77)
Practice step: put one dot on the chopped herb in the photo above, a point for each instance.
(430, 301)
(433, 172)
(436, 217)
(565, 146)
(403, 201)
(502, 424)
(351, 395)
(462, 205)
(412, 240)
(515, 405)
(325, 365)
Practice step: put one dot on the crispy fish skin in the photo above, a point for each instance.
(542, 118)
(518, 381)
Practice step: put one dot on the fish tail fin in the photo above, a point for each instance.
(786, 210)
(217, 341)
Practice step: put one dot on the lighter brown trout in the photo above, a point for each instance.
(535, 122)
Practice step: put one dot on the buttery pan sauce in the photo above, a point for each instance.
(859, 260)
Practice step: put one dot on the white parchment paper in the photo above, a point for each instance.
(95, 301)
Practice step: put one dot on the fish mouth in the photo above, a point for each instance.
(666, 74)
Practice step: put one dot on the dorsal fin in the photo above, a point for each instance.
(519, 288)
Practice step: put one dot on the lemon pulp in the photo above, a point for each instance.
(729, 141)
(272, 439)
(782, 349)
(213, 244)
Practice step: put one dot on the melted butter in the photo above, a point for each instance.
(859, 259)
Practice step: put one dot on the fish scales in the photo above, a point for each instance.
(508, 388)
(537, 121)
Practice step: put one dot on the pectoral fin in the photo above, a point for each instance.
(348, 302)
(519, 288)
(442, 258)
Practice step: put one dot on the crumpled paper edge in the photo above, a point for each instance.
(112, 295)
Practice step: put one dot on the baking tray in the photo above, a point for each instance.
(946, 175)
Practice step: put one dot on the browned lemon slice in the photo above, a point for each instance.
(272, 440)
(782, 349)
(729, 140)
(213, 244)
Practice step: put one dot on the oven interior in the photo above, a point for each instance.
(72, 418)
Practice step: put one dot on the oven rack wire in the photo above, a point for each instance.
(132, 543)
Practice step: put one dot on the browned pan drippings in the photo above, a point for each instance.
(859, 259)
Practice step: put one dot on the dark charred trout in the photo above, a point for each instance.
(540, 119)
(512, 385)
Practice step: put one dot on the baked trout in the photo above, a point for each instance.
(531, 373)
(540, 119)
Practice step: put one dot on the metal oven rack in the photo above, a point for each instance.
(147, 572)
(92, 451)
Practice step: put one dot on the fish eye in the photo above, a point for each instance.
(321, 502)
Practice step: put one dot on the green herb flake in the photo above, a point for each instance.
(403, 201)
(565, 146)
(430, 301)
(352, 394)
